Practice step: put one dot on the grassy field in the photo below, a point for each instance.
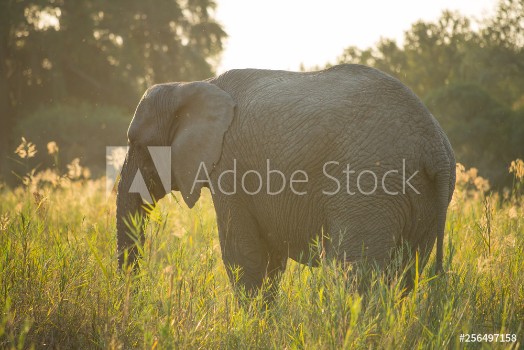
(60, 286)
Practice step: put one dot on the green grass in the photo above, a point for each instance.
(60, 286)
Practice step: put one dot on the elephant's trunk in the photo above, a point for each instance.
(130, 214)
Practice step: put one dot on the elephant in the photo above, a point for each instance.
(347, 156)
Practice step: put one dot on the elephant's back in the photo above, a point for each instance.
(350, 112)
(343, 94)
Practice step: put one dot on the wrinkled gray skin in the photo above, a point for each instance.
(350, 114)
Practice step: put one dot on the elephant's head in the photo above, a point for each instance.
(191, 119)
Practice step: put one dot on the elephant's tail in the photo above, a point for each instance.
(441, 168)
(442, 181)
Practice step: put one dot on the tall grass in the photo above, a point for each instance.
(60, 286)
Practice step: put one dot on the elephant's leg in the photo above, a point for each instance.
(275, 268)
(249, 261)
(420, 242)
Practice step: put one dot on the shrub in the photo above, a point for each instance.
(80, 130)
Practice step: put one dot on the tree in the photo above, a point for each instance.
(103, 52)
(431, 56)
(478, 126)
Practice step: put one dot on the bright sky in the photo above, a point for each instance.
(281, 34)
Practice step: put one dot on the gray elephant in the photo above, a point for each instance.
(347, 156)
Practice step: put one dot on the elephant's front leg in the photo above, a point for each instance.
(249, 261)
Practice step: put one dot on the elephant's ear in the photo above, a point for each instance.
(204, 114)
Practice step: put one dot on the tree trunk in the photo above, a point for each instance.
(6, 110)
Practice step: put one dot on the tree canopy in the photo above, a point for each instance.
(101, 52)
